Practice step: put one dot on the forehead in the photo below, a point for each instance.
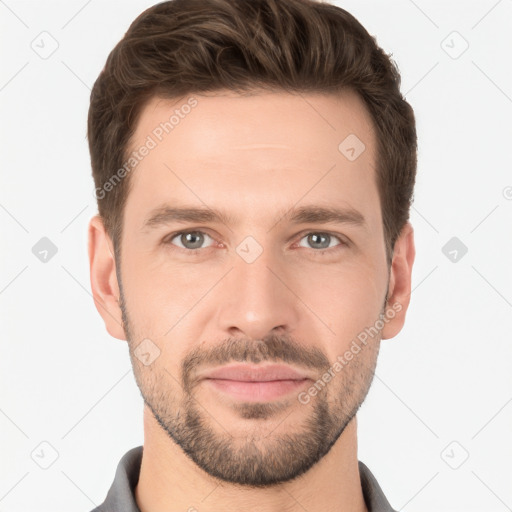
(278, 120)
(254, 153)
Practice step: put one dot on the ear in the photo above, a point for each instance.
(399, 292)
(104, 285)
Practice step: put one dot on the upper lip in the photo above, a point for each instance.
(255, 373)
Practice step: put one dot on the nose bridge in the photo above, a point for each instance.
(257, 298)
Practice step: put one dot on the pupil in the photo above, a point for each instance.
(190, 236)
(316, 238)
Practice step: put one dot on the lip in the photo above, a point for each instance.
(254, 391)
(255, 383)
(256, 373)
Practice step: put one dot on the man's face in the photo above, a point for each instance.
(259, 288)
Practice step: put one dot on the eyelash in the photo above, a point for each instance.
(319, 252)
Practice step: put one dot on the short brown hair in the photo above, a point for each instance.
(181, 47)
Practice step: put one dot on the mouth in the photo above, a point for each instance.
(256, 383)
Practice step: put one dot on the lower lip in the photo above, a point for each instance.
(257, 391)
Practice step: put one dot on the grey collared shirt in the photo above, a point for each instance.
(121, 497)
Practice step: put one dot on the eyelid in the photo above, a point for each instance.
(171, 236)
(342, 239)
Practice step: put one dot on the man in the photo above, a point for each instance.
(254, 164)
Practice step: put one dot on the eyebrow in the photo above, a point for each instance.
(313, 214)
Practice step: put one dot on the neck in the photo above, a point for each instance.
(170, 482)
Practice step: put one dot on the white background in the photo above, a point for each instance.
(445, 378)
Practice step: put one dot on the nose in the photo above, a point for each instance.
(258, 298)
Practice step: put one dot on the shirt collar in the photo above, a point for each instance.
(121, 495)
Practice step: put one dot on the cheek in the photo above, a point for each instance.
(159, 296)
(147, 295)
(347, 300)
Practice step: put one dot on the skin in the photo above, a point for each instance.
(256, 157)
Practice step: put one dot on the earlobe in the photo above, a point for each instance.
(104, 285)
(399, 293)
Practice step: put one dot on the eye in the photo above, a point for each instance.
(191, 240)
(321, 240)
